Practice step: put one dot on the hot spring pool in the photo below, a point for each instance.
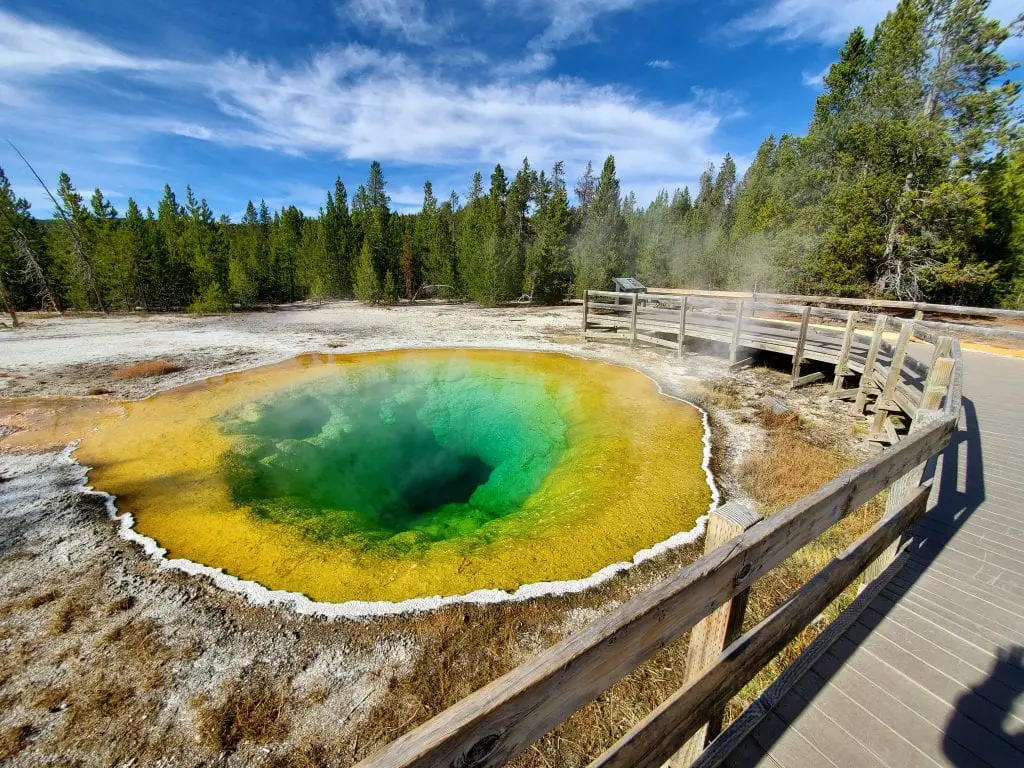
(409, 474)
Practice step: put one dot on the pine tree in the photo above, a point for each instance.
(314, 273)
(407, 266)
(174, 268)
(551, 269)
(434, 243)
(473, 241)
(71, 243)
(132, 256)
(366, 284)
(24, 258)
(113, 273)
(205, 253)
(585, 189)
(339, 241)
(600, 250)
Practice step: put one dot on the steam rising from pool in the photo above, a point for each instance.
(401, 480)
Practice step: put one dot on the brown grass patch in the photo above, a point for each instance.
(67, 614)
(146, 369)
(13, 740)
(792, 465)
(724, 393)
(32, 601)
(51, 698)
(120, 604)
(251, 709)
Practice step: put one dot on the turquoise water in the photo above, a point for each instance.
(404, 454)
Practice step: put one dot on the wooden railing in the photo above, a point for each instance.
(920, 309)
(837, 301)
(708, 596)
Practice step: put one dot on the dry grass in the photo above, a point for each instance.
(29, 602)
(13, 740)
(67, 613)
(249, 709)
(146, 369)
(792, 465)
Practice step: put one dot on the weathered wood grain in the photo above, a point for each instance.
(717, 630)
(735, 345)
(682, 325)
(654, 739)
(842, 368)
(801, 342)
(867, 381)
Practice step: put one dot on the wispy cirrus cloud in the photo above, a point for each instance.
(660, 64)
(567, 22)
(405, 18)
(352, 102)
(814, 79)
(826, 21)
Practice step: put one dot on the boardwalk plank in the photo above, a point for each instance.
(874, 735)
(930, 708)
(821, 732)
(980, 654)
(966, 622)
(961, 593)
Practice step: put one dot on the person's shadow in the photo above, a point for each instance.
(989, 704)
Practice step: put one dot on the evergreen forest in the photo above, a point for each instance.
(908, 183)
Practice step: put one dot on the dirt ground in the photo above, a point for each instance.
(108, 659)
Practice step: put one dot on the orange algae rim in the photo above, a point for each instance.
(258, 594)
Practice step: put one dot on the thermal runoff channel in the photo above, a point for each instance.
(397, 475)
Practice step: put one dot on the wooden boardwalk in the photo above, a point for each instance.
(931, 672)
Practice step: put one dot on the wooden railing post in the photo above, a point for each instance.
(867, 379)
(632, 320)
(682, 326)
(586, 300)
(716, 631)
(935, 388)
(882, 404)
(842, 365)
(801, 341)
(735, 346)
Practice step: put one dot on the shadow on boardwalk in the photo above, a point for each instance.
(1000, 688)
(971, 726)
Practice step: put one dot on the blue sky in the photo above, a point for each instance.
(273, 99)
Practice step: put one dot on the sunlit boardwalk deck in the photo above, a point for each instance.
(931, 671)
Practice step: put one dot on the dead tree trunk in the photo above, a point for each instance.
(8, 304)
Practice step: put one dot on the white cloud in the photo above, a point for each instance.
(660, 64)
(815, 79)
(568, 21)
(28, 48)
(405, 18)
(531, 63)
(359, 103)
(827, 21)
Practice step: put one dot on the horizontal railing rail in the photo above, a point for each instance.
(908, 306)
(503, 718)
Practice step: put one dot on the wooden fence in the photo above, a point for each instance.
(913, 404)
(920, 309)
